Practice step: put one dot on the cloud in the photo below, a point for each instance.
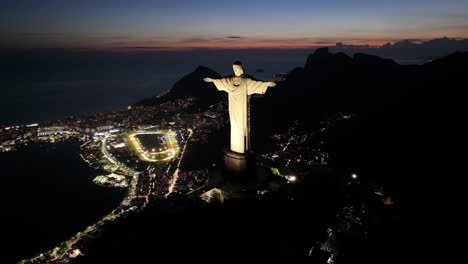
(234, 37)
(144, 47)
(414, 40)
(325, 42)
(191, 40)
(39, 35)
(121, 37)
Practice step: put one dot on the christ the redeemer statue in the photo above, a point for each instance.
(239, 87)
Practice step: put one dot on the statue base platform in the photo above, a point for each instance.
(239, 177)
(239, 165)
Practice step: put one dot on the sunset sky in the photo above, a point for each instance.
(188, 24)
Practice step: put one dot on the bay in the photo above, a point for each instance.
(48, 196)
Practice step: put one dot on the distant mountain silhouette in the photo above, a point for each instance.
(191, 85)
(365, 59)
(455, 63)
(409, 49)
(333, 82)
(322, 58)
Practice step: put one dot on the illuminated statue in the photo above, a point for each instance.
(239, 87)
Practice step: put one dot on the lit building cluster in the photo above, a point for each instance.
(47, 131)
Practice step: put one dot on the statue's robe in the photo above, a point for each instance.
(239, 89)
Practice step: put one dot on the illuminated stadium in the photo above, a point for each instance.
(153, 146)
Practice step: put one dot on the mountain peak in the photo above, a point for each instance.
(322, 57)
(367, 59)
(321, 51)
(202, 68)
(192, 85)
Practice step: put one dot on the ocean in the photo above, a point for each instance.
(48, 196)
(41, 86)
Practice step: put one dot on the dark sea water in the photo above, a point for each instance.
(38, 86)
(47, 196)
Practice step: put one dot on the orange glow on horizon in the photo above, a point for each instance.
(146, 45)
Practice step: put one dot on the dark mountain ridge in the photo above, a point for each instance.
(191, 85)
(409, 48)
(409, 134)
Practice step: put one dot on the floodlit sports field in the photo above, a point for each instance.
(154, 146)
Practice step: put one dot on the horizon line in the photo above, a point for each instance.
(148, 48)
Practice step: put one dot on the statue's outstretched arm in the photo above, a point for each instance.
(258, 87)
(221, 84)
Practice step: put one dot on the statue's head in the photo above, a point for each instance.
(237, 67)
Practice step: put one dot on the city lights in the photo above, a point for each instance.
(291, 178)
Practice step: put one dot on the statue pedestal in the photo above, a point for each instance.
(238, 164)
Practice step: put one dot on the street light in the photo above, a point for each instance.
(291, 178)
